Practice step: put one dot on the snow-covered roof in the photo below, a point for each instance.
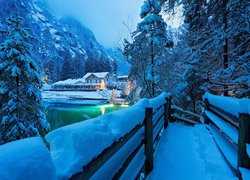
(70, 81)
(81, 80)
(98, 74)
(122, 77)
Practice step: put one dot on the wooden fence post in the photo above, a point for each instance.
(244, 138)
(171, 111)
(166, 113)
(206, 119)
(169, 107)
(149, 152)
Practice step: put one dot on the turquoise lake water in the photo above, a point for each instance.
(61, 115)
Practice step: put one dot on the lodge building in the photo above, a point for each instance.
(90, 82)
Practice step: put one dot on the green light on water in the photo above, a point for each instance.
(59, 116)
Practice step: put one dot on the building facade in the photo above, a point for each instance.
(91, 82)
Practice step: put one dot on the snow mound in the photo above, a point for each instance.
(248, 149)
(245, 173)
(158, 101)
(231, 105)
(26, 159)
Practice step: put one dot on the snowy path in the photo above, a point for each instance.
(186, 152)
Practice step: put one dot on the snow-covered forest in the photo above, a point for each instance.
(209, 52)
(74, 108)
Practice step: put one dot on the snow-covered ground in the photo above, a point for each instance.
(248, 149)
(26, 159)
(93, 95)
(245, 173)
(186, 152)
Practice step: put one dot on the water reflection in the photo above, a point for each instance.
(62, 115)
(103, 110)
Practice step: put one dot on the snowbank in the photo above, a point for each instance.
(26, 159)
(46, 87)
(75, 145)
(81, 95)
(229, 104)
(248, 149)
(245, 173)
(73, 95)
(158, 101)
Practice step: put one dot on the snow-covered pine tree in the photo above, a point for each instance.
(146, 52)
(67, 67)
(21, 112)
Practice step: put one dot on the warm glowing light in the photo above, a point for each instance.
(103, 86)
(124, 105)
(103, 110)
(105, 106)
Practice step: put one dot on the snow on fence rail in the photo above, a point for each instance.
(177, 113)
(229, 122)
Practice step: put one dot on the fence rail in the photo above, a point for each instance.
(156, 120)
(177, 113)
(230, 132)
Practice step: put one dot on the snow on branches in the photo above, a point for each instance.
(21, 111)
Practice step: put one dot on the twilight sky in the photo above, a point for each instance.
(104, 17)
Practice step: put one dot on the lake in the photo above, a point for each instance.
(61, 115)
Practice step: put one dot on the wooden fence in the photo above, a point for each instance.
(154, 123)
(188, 117)
(232, 134)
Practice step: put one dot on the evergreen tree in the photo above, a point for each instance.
(103, 64)
(21, 112)
(67, 67)
(78, 67)
(219, 42)
(146, 52)
(90, 65)
(114, 67)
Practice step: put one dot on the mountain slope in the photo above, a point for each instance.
(59, 44)
(122, 65)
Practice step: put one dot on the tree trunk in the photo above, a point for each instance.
(152, 70)
(225, 48)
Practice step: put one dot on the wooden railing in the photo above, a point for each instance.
(231, 133)
(147, 135)
(187, 117)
